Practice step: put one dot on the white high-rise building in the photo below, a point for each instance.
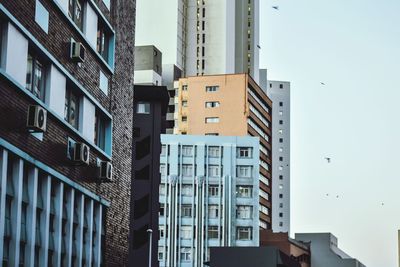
(202, 37)
(279, 93)
(209, 196)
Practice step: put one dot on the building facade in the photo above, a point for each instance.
(325, 251)
(148, 65)
(229, 105)
(65, 97)
(208, 196)
(279, 93)
(150, 106)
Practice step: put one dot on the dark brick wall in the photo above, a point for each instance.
(119, 102)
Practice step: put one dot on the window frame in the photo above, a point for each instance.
(36, 61)
(73, 4)
(69, 93)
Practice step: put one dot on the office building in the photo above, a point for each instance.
(150, 106)
(203, 37)
(66, 104)
(208, 196)
(279, 93)
(229, 105)
(148, 65)
(325, 251)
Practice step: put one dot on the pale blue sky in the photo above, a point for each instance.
(354, 47)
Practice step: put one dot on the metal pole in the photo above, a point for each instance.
(150, 244)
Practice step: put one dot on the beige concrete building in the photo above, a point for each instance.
(229, 105)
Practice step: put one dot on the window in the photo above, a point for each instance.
(103, 41)
(244, 233)
(184, 103)
(161, 231)
(280, 140)
(143, 108)
(244, 191)
(244, 212)
(184, 87)
(280, 224)
(204, 38)
(184, 119)
(161, 253)
(212, 104)
(213, 151)
(280, 205)
(204, 12)
(162, 209)
(264, 194)
(280, 113)
(187, 151)
(244, 152)
(186, 254)
(100, 131)
(280, 131)
(214, 88)
(162, 189)
(281, 149)
(71, 111)
(264, 209)
(243, 171)
(280, 214)
(280, 177)
(203, 50)
(163, 150)
(36, 77)
(213, 170)
(280, 168)
(163, 170)
(186, 211)
(213, 211)
(281, 186)
(75, 12)
(187, 170)
(186, 190)
(281, 104)
(281, 86)
(186, 232)
(212, 134)
(213, 191)
(280, 158)
(280, 122)
(280, 195)
(212, 120)
(270, 85)
(213, 232)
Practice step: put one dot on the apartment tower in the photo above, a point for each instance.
(208, 196)
(66, 101)
(229, 105)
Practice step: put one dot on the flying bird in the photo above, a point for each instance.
(322, 83)
(328, 159)
(275, 7)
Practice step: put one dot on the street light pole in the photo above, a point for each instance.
(150, 244)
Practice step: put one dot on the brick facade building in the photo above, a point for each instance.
(88, 98)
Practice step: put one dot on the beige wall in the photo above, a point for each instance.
(232, 112)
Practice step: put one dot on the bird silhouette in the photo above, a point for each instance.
(322, 83)
(275, 7)
(328, 159)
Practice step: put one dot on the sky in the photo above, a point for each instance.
(353, 46)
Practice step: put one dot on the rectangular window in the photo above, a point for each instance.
(100, 131)
(71, 110)
(203, 25)
(244, 152)
(187, 170)
(244, 233)
(280, 104)
(186, 232)
(186, 211)
(281, 122)
(36, 76)
(184, 103)
(75, 12)
(186, 190)
(163, 150)
(184, 119)
(161, 231)
(213, 232)
(143, 108)
(204, 38)
(162, 189)
(187, 151)
(212, 134)
(213, 88)
(184, 87)
(213, 151)
(212, 104)
(243, 171)
(163, 170)
(186, 254)
(103, 41)
(213, 170)
(212, 120)
(264, 194)
(264, 209)
(213, 191)
(244, 191)
(213, 211)
(244, 212)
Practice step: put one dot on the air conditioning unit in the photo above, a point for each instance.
(105, 171)
(37, 118)
(81, 153)
(77, 52)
